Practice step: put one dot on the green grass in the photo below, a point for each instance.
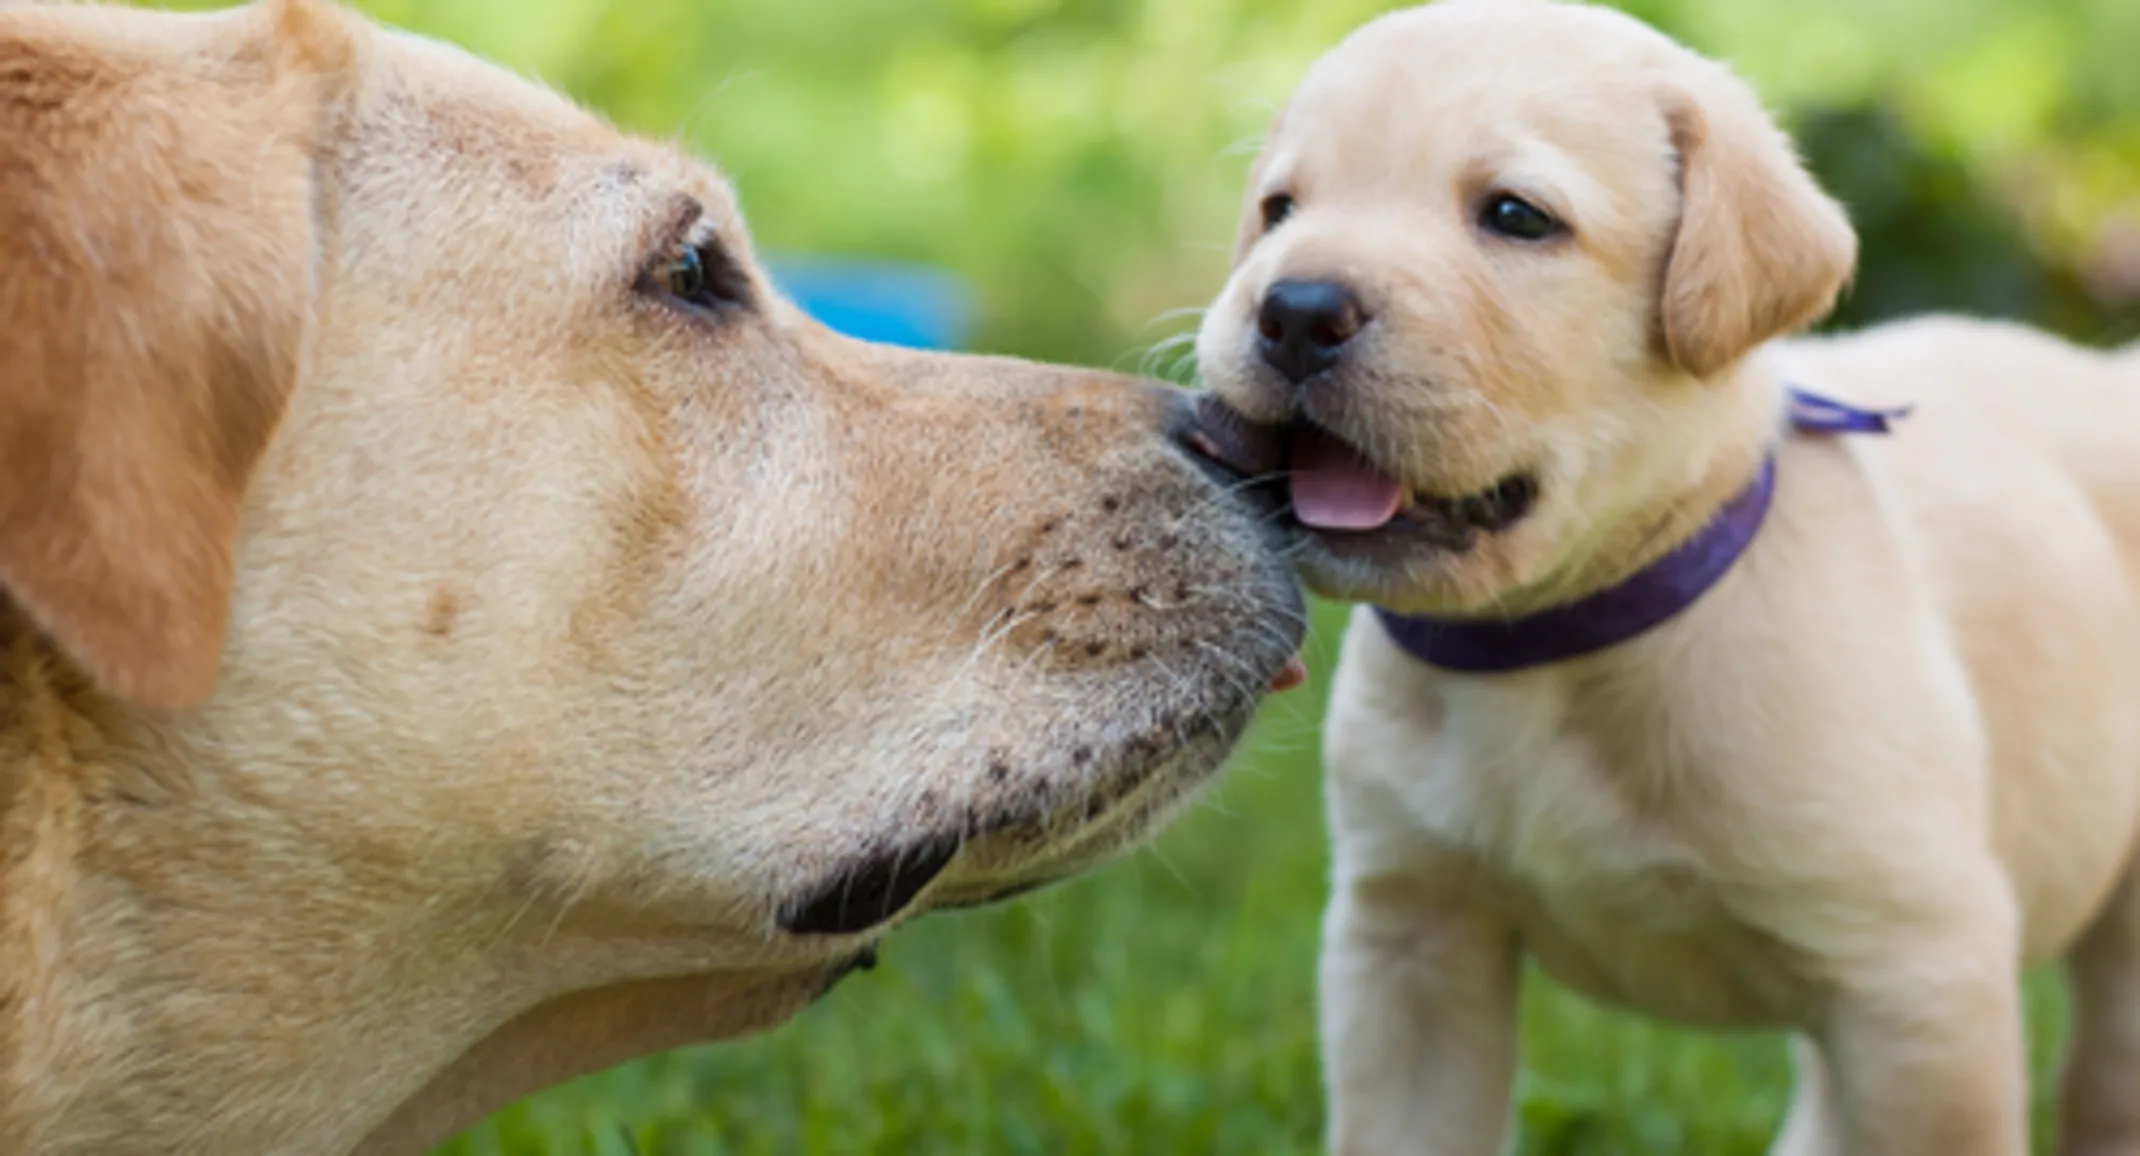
(1163, 1005)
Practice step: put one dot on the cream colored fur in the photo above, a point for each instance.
(1889, 761)
(436, 661)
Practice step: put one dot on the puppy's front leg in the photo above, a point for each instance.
(1926, 1044)
(1418, 992)
(2102, 1095)
(1810, 1128)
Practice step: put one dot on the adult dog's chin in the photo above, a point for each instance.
(1027, 855)
(1138, 784)
(1102, 785)
(1122, 811)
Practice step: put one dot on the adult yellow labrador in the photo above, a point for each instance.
(1702, 691)
(462, 628)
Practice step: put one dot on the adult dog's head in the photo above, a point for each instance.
(1498, 263)
(461, 626)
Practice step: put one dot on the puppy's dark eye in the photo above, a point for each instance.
(702, 275)
(1276, 208)
(1512, 216)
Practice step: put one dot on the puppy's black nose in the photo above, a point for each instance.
(1304, 326)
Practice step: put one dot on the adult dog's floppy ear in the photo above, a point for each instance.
(1760, 250)
(156, 269)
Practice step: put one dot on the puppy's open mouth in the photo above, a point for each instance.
(1336, 489)
(1340, 494)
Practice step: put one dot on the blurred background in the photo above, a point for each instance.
(1061, 176)
(1078, 162)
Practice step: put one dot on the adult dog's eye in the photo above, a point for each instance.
(1512, 216)
(703, 275)
(1276, 208)
(685, 274)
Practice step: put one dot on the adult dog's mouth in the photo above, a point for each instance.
(1147, 687)
(1050, 834)
(1349, 502)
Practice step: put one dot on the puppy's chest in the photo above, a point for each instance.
(1589, 846)
(1518, 781)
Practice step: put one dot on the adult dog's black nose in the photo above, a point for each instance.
(1304, 326)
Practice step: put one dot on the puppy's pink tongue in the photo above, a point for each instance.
(1334, 488)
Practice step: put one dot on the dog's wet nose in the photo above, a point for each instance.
(1304, 326)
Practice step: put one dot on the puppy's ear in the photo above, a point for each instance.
(156, 268)
(1760, 250)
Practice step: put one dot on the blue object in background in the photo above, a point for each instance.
(889, 301)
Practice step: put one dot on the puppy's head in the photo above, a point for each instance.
(438, 571)
(1497, 264)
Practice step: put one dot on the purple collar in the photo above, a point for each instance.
(1652, 595)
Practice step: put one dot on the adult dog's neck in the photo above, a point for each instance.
(139, 913)
(138, 918)
(588, 1031)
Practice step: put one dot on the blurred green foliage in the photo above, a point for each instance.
(1080, 160)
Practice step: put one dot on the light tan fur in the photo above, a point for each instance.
(1891, 759)
(435, 661)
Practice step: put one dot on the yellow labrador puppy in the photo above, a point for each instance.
(1697, 674)
(461, 628)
